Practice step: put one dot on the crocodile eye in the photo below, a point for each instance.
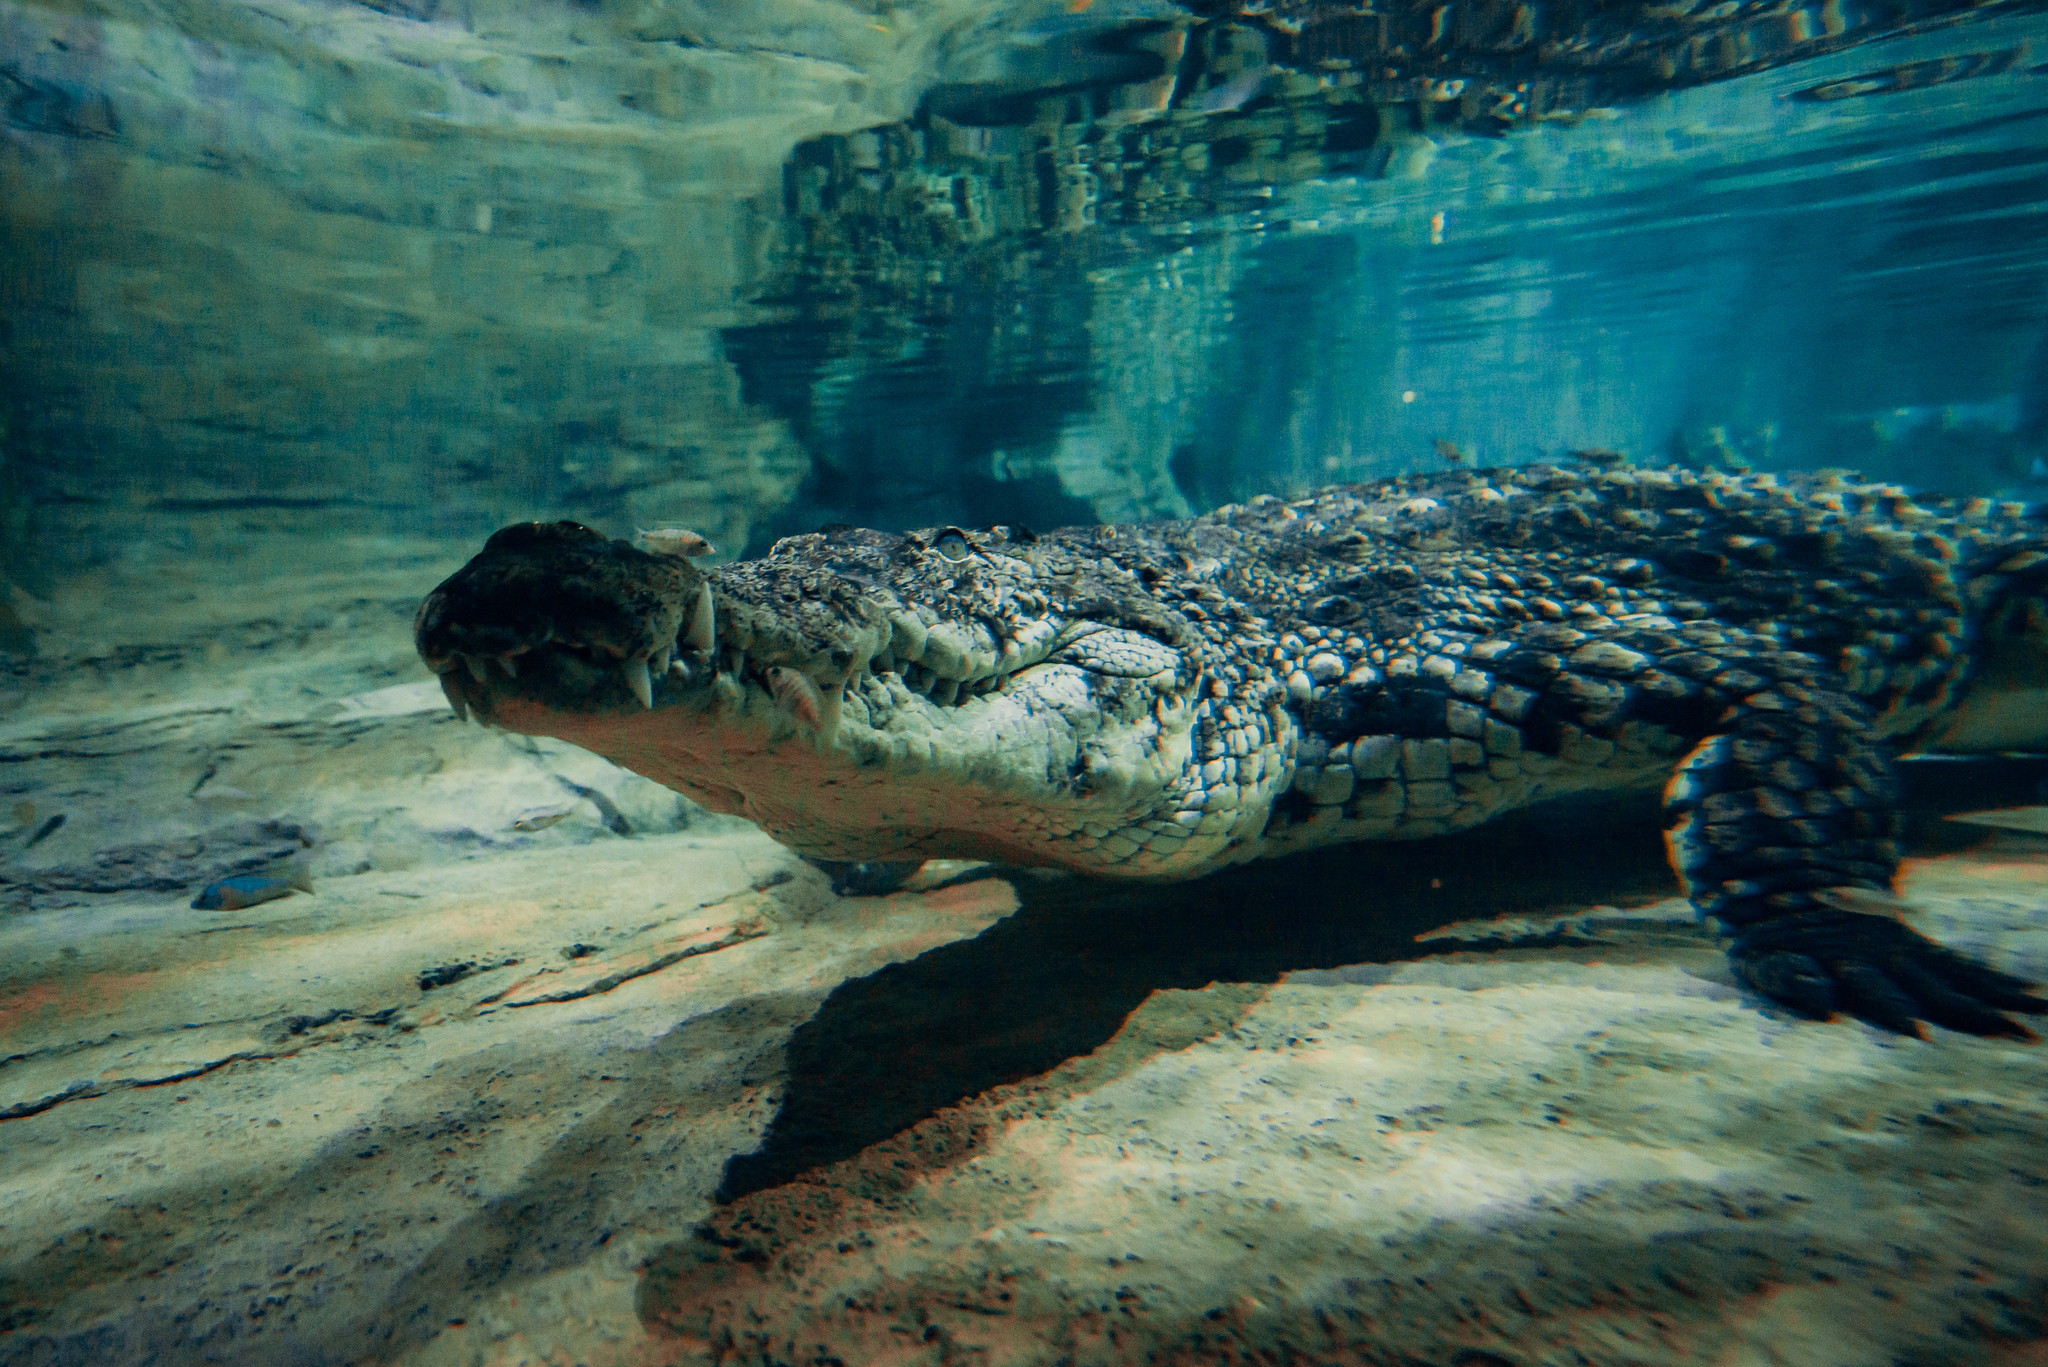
(954, 546)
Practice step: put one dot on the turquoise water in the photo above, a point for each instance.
(1736, 273)
(384, 274)
(534, 1059)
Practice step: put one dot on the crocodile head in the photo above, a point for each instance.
(869, 696)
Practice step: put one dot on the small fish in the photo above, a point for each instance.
(1234, 93)
(1449, 452)
(679, 541)
(539, 818)
(235, 894)
(1600, 456)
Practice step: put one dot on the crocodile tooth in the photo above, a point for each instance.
(505, 663)
(658, 662)
(702, 633)
(831, 701)
(456, 701)
(635, 670)
(476, 669)
(727, 693)
(795, 694)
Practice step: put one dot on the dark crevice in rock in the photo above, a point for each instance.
(446, 975)
(172, 865)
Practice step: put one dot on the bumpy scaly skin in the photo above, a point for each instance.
(1370, 662)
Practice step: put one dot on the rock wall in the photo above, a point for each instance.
(451, 261)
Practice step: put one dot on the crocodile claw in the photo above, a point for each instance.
(1879, 969)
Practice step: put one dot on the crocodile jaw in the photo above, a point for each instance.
(846, 734)
(1029, 775)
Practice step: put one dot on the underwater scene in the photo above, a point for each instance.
(1083, 682)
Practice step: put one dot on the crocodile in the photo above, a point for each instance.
(1378, 661)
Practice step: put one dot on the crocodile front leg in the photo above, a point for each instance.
(1783, 824)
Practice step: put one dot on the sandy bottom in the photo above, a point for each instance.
(635, 1087)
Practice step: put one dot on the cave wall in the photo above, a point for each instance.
(448, 263)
